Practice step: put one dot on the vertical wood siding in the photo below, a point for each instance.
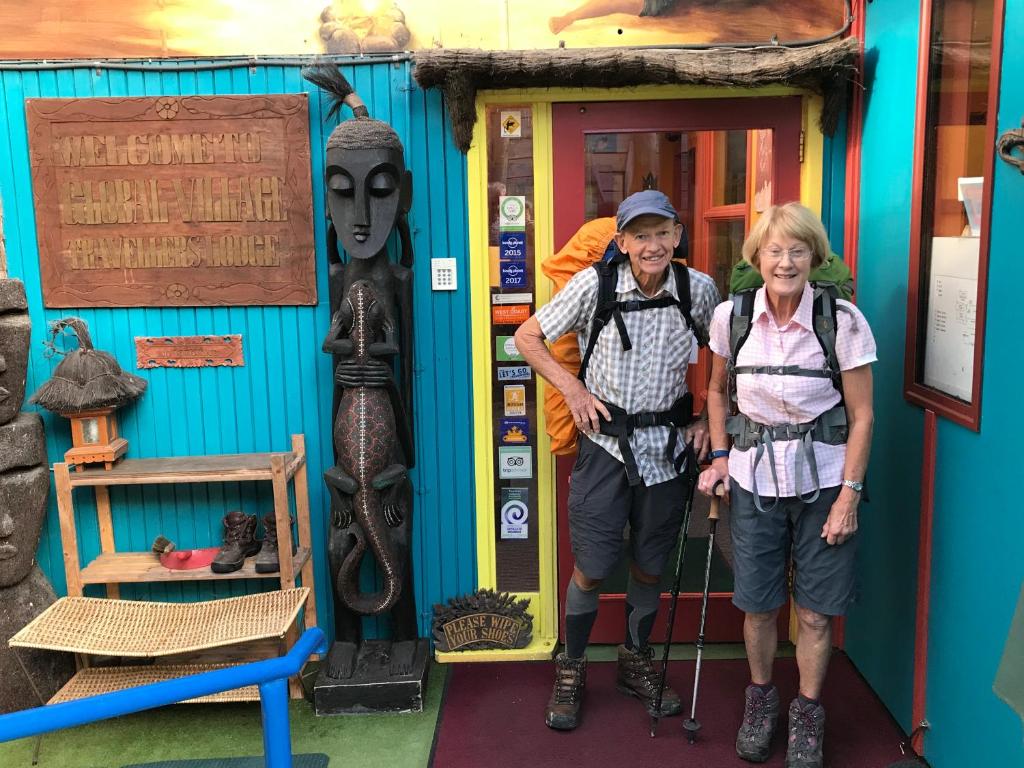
(285, 385)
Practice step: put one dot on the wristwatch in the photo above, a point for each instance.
(856, 485)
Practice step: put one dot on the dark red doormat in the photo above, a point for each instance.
(493, 715)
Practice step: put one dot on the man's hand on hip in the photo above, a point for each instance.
(584, 408)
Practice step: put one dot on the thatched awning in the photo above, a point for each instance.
(825, 68)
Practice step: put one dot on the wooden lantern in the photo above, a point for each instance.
(94, 438)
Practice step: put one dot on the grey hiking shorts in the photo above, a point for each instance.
(762, 542)
(601, 502)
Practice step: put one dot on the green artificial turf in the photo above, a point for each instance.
(188, 731)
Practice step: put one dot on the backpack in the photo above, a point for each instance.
(609, 308)
(825, 324)
(833, 270)
(591, 245)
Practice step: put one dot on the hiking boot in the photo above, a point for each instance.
(806, 735)
(563, 712)
(636, 676)
(266, 560)
(760, 715)
(239, 542)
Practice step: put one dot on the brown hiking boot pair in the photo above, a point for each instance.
(240, 542)
(635, 676)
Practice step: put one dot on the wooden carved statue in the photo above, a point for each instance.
(369, 192)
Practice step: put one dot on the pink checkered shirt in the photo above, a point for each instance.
(779, 399)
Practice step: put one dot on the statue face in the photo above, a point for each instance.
(22, 511)
(366, 190)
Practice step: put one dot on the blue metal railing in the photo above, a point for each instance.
(271, 675)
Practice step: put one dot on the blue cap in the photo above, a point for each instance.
(649, 202)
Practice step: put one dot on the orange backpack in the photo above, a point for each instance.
(583, 250)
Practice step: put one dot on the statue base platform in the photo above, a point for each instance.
(372, 677)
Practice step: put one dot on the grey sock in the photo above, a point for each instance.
(580, 613)
(642, 601)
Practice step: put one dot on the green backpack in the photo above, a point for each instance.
(833, 270)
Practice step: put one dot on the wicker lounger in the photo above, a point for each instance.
(94, 625)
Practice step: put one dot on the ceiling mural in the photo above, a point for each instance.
(50, 29)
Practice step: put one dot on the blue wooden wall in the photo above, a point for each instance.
(880, 629)
(978, 552)
(285, 385)
(977, 561)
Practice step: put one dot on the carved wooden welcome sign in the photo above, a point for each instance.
(173, 200)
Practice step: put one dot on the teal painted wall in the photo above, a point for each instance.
(880, 628)
(285, 385)
(978, 554)
(977, 565)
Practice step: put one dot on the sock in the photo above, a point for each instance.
(806, 703)
(766, 688)
(641, 609)
(580, 613)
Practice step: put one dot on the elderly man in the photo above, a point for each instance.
(629, 402)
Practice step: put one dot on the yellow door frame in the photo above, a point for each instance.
(544, 603)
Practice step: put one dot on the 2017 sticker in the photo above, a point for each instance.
(513, 274)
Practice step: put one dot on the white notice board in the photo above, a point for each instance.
(952, 303)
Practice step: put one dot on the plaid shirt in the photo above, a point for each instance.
(775, 399)
(649, 377)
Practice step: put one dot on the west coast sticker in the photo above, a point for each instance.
(510, 314)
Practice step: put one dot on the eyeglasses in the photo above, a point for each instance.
(799, 253)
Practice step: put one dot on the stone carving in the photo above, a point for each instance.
(31, 677)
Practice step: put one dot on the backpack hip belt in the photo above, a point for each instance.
(829, 428)
(623, 424)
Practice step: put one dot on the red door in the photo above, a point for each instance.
(721, 161)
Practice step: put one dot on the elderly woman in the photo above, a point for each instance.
(794, 405)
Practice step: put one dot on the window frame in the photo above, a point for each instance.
(915, 391)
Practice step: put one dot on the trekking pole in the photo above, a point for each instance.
(692, 725)
(691, 483)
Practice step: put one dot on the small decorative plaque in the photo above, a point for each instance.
(482, 620)
(188, 351)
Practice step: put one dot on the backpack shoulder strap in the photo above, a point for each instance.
(682, 275)
(607, 278)
(740, 321)
(825, 325)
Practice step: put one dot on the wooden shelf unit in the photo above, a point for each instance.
(112, 568)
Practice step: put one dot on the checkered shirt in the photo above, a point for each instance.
(649, 377)
(779, 399)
